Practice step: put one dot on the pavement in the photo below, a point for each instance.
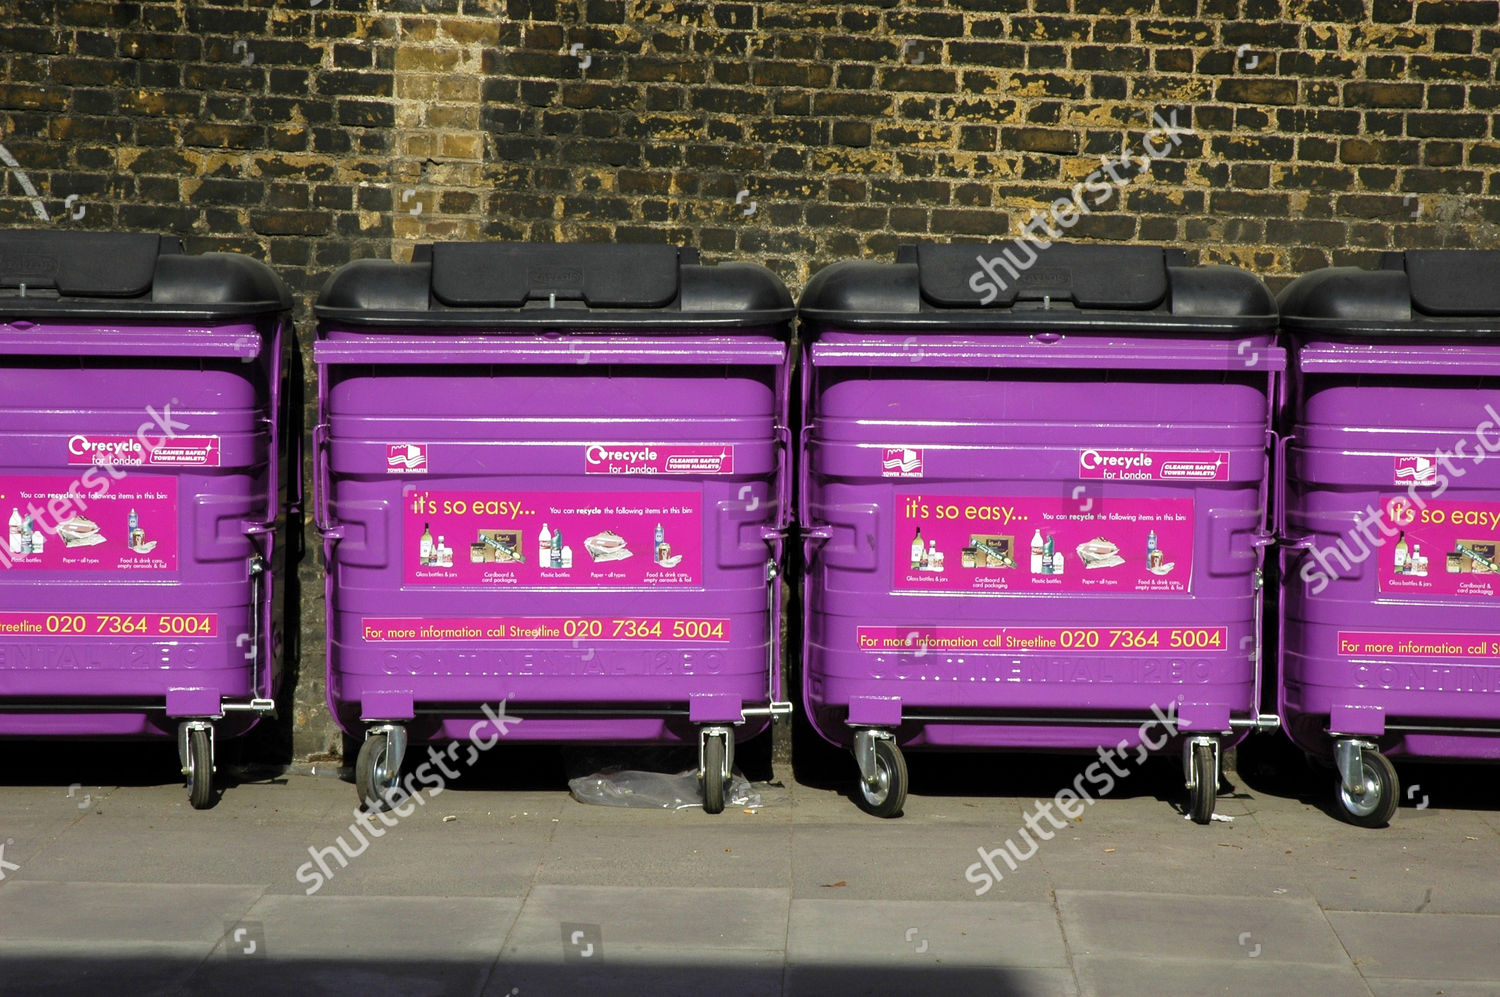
(503, 885)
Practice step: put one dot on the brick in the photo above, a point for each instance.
(1114, 58)
(919, 79)
(365, 114)
(224, 136)
(1447, 125)
(1448, 68)
(1383, 95)
(1255, 90)
(363, 84)
(1484, 13)
(1226, 202)
(32, 98)
(1357, 150)
(791, 74)
(1039, 140)
(854, 133)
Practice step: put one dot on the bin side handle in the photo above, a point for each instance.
(1283, 443)
(296, 488)
(322, 485)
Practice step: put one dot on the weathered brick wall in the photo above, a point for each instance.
(311, 132)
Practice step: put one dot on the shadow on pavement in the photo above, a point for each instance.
(370, 975)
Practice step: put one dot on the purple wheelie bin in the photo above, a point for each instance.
(1034, 500)
(145, 476)
(1391, 539)
(552, 479)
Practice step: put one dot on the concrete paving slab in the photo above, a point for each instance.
(387, 927)
(1421, 946)
(1429, 988)
(423, 859)
(716, 972)
(1153, 977)
(368, 976)
(120, 913)
(862, 981)
(471, 858)
(1179, 857)
(670, 852)
(141, 970)
(913, 934)
(1440, 867)
(645, 925)
(884, 859)
(1102, 924)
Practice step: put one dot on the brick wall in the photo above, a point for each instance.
(312, 132)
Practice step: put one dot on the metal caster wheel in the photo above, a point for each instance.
(713, 780)
(1370, 797)
(1203, 779)
(378, 768)
(715, 760)
(882, 792)
(198, 765)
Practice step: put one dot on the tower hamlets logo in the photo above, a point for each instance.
(1416, 470)
(406, 458)
(901, 462)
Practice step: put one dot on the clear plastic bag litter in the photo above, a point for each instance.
(656, 790)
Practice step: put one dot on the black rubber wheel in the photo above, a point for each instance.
(373, 778)
(1382, 793)
(1204, 792)
(888, 795)
(713, 774)
(200, 778)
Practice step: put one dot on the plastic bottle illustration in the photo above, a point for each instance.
(38, 541)
(27, 533)
(660, 538)
(1048, 560)
(918, 550)
(1036, 552)
(544, 543)
(424, 549)
(1402, 561)
(15, 530)
(557, 548)
(1150, 548)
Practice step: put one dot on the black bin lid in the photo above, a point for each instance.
(1017, 286)
(1436, 293)
(505, 286)
(126, 275)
